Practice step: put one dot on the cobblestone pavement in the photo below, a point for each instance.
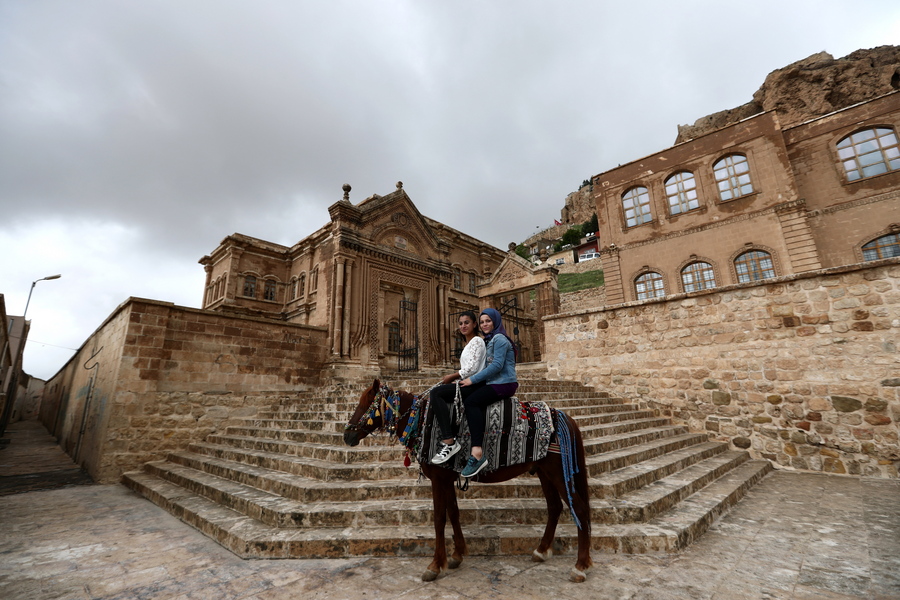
(797, 536)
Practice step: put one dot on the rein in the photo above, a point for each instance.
(386, 405)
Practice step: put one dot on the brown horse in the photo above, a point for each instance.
(549, 470)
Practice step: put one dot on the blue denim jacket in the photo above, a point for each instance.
(500, 363)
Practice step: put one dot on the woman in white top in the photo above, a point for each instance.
(470, 362)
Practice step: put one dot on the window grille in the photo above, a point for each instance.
(636, 203)
(649, 285)
(698, 276)
(733, 177)
(753, 266)
(869, 152)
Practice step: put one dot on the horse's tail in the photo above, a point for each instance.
(582, 490)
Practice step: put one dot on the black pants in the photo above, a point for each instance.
(476, 399)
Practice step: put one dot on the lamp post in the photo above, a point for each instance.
(12, 383)
(34, 283)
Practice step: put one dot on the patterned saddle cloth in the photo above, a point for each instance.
(516, 432)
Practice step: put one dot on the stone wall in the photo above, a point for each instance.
(583, 299)
(803, 370)
(155, 377)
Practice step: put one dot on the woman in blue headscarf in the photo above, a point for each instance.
(496, 381)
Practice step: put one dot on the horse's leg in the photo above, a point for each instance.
(553, 475)
(459, 542)
(554, 509)
(439, 501)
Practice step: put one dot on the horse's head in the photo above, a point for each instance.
(358, 426)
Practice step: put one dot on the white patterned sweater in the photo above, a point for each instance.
(472, 358)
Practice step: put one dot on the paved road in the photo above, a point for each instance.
(795, 536)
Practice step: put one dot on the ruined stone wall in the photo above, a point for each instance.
(803, 370)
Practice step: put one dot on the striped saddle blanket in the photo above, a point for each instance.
(516, 432)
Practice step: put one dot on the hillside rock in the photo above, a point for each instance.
(812, 87)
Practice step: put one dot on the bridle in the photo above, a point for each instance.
(386, 406)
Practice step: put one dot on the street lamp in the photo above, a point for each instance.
(34, 283)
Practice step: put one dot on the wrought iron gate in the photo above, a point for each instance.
(509, 310)
(408, 356)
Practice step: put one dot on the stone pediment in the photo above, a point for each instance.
(514, 273)
(395, 222)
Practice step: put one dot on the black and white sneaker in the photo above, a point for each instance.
(445, 452)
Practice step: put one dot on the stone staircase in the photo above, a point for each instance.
(284, 485)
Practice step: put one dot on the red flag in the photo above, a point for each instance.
(555, 222)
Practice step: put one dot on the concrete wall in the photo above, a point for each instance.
(803, 370)
(154, 377)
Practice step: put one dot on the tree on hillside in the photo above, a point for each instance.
(590, 226)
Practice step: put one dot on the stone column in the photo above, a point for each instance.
(338, 316)
(208, 297)
(442, 321)
(345, 328)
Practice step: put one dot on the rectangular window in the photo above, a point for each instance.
(269, 292)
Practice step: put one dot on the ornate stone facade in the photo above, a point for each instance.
(384, 280)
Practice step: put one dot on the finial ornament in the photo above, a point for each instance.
(399, 185)
(347, 189)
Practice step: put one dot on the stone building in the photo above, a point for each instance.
(753, 272)
(753, 200)
(374, 291)
(386, 282)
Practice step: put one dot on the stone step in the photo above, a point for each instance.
(334, 453)
(316, 413)
(321, 431)
(278, 510)
(627, 439)
(322, 470)
(595, 433)
(660, 495)
(638, 475)
(250, 538)
(341, 411)
(617, 459)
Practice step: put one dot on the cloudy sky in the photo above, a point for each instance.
(134, 136)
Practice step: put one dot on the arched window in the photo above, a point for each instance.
(473, 281)
(698, 276)
(224, 282)
(293, 288)
(393, 336)
(314, 279)
(636, 203)
(753, 266)
(649, 285)
(886, 246)
(301, 287)
(457, 279)
(249, 286)
(269, 290)
(733, 177)
(869, 152)
(681, 191)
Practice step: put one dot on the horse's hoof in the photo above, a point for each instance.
(429, 575)
(577, 576)
(455, 562)
(538, 557)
